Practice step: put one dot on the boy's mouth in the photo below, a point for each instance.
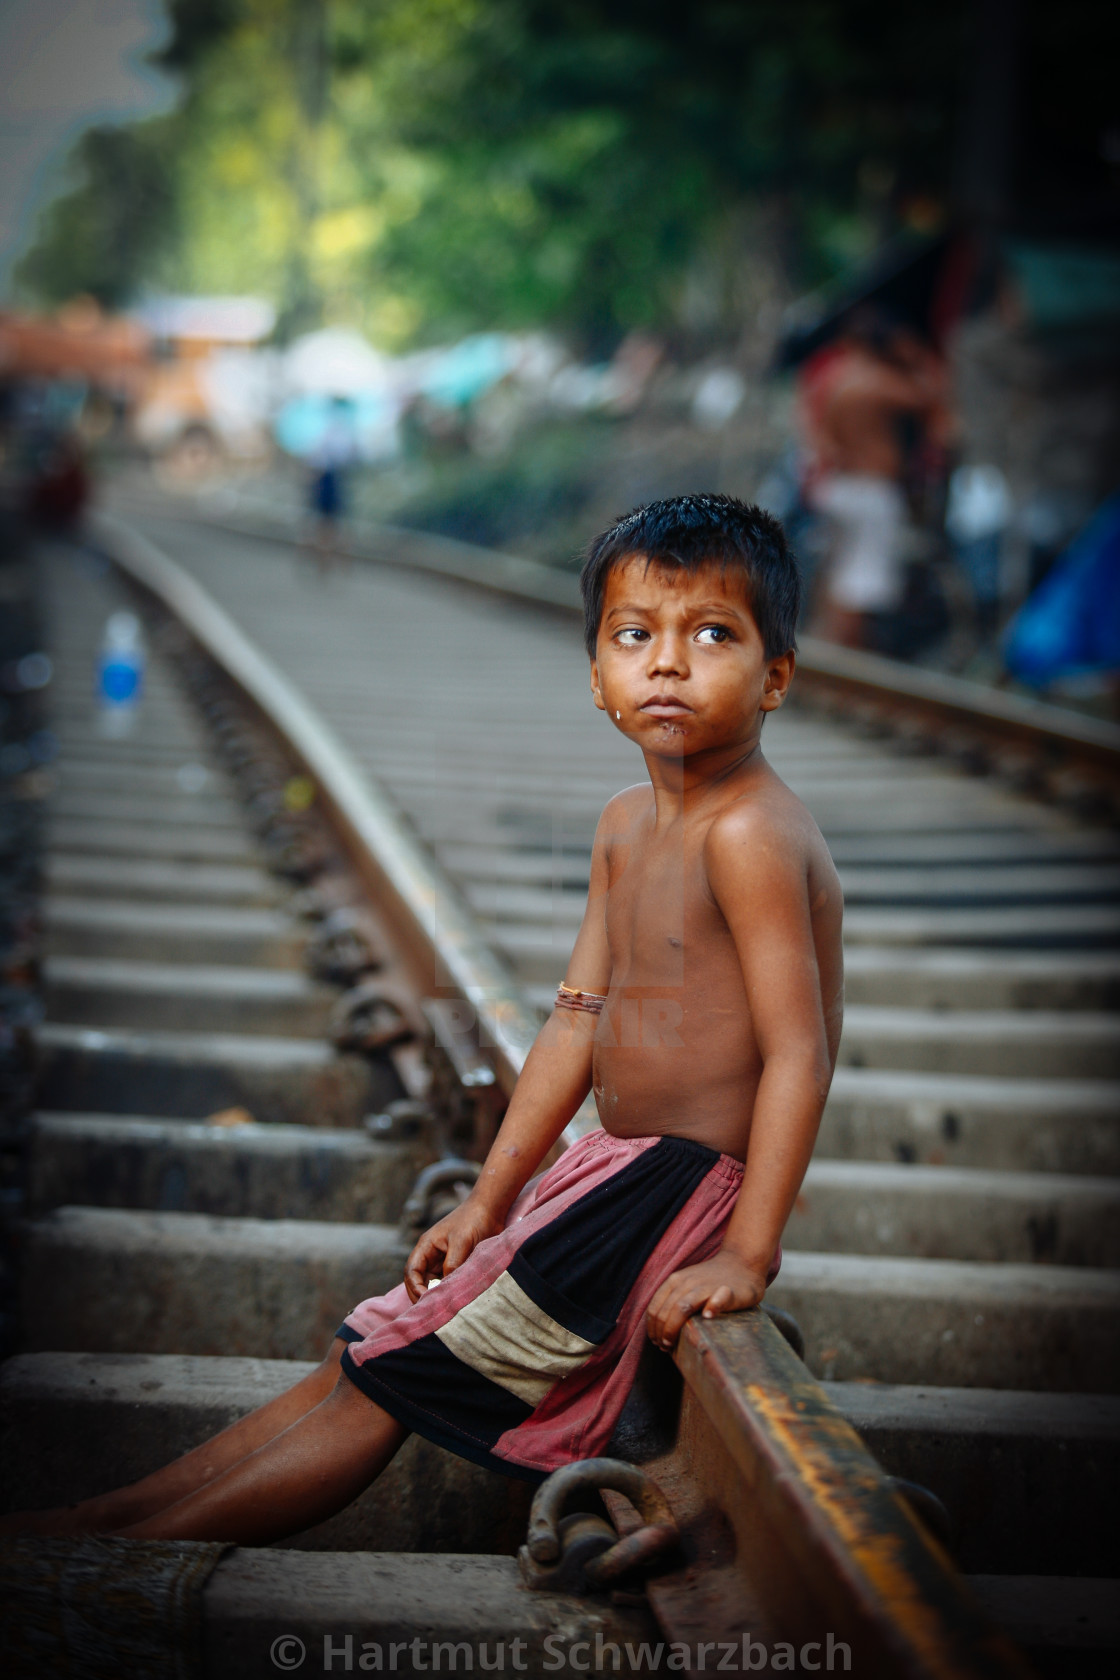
(665, 706)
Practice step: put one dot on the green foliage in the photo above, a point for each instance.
(585, 160)
(422, 167)
(116, 224)
(196, 26)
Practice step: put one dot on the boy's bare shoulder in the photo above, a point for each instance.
(769, 828)
(622, 808)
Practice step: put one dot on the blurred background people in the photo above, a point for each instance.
(977, 516)
(58, 483)
(330, 460)
(870, 404)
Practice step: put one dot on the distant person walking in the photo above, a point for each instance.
(858, 398)
(330, 461)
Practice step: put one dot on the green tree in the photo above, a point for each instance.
(116, 224)
(428, 166)
(592, 160)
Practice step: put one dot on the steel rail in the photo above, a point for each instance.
(996, 718)
(760, 1439)
(436, 927)
(821, 1542)
(935, 702)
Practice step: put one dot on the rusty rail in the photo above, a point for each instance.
(760, 1440)
(791, 1529)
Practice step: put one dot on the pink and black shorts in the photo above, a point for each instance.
(522, 1358)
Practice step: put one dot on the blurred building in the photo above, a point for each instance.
(211, 389)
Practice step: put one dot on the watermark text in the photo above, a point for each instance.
(345, 1653)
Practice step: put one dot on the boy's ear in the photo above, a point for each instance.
(595, 694)
(779, 675)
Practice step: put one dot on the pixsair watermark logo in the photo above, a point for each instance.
(346, 1653)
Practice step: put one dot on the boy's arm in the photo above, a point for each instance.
(757, 873)
(552, 1084)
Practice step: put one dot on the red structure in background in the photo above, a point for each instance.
(80, 342)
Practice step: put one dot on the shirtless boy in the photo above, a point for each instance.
(702, 1004)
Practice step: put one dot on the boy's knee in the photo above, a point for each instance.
(329, 1364)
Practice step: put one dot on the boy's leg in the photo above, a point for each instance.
(175, 1481)
(315, 1468)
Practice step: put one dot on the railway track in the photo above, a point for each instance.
(952, 1261)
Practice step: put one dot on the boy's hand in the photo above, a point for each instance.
(448, 1244)
(723, 1284)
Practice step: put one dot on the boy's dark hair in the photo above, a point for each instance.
(695, 531)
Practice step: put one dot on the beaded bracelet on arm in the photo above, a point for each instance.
(570, 997)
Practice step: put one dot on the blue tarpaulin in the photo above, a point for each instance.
(1071, 623)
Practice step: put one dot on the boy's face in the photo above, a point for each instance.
(679, 662)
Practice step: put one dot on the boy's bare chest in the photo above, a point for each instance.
(658, 905)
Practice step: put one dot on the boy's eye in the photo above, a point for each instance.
(712, 633)
(631, 636)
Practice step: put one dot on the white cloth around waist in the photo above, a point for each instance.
(867, 514)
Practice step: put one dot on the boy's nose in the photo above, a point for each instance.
(667, 657)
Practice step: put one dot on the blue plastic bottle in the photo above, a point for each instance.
(120, 671)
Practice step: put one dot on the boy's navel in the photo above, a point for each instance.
(674, 942)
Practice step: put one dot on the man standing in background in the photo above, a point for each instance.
(867, 403)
